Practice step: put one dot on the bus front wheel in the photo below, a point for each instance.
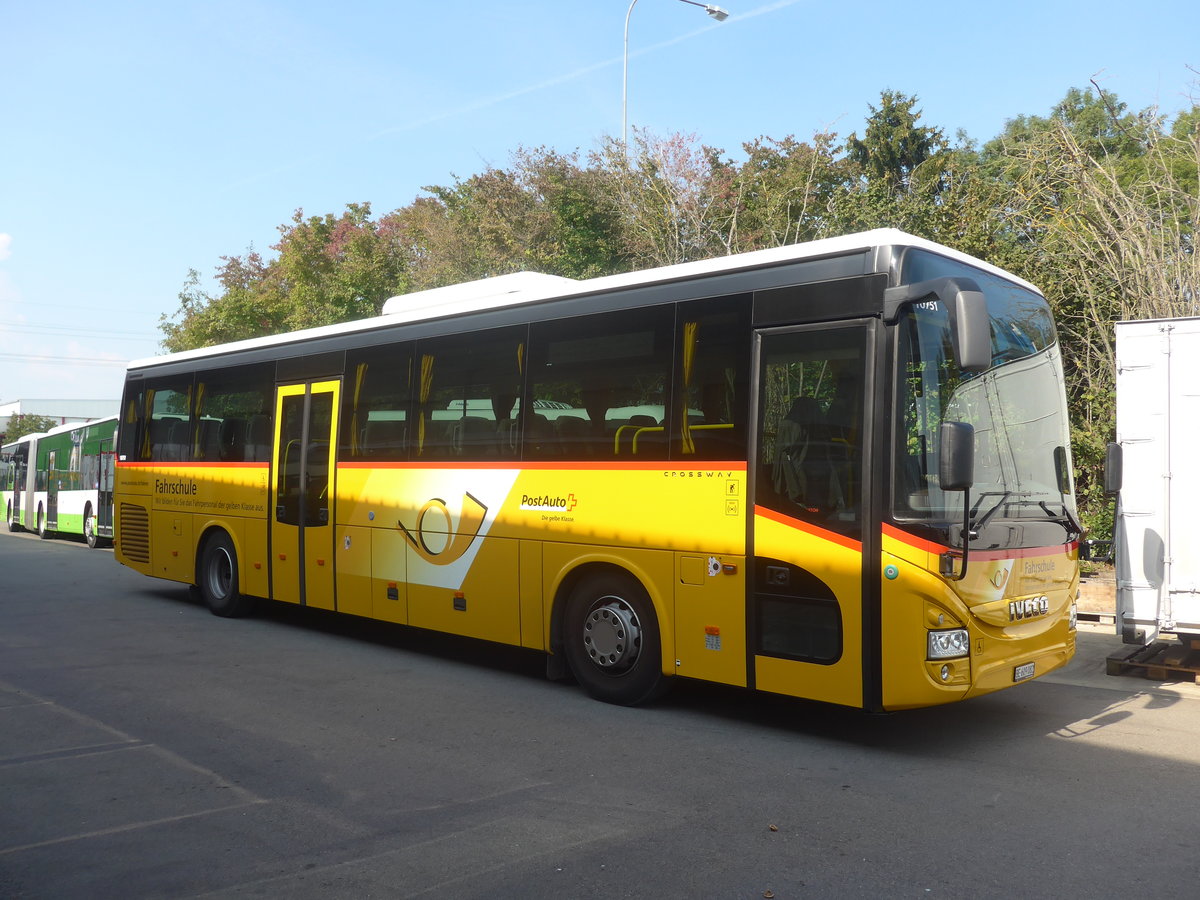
(218, 578)
(12, 520)
(612, 641)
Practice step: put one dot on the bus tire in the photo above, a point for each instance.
(12, 522)
(42, 531)
(611, 639)
(89, 528)
(217, 578)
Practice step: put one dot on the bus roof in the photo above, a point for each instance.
(25, 439)
(523, 288)
(71, 426)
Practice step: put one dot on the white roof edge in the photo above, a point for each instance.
(27, 437)
(71, 426)
(520, 288)
(514, 286)
(1173, 320)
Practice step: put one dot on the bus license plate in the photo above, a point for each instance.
(1023, 671)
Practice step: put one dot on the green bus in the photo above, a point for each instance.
(61, 482)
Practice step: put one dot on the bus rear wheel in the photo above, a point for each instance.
(217, 578)
(42, 531)
(611, 640)
(11, 519)
(89, 528)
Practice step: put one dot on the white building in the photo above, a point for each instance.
(61, 411)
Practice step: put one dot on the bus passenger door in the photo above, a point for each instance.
(104, 486)
(810, 506)
(302, 494)
(51, 492)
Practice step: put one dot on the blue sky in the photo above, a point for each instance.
(139, 140)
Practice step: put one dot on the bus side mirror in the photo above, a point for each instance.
(956, 472)
(967, 308)
(973, 331)
(1062, 474)
(956, 456)
(1114, 469)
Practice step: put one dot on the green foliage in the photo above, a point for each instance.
(22, 424)
(894, 148)
(1096, 205)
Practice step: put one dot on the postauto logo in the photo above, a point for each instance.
(548, 503)
(428, 538)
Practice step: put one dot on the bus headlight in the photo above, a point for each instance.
(949, 644)
(1073, 617)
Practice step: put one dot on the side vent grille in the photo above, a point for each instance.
(133, 533)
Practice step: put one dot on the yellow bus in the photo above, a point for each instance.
(837, 470)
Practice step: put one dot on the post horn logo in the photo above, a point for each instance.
(440, 543)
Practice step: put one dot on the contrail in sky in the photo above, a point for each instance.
(578, 73)
(496, 99)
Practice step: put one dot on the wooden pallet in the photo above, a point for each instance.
(1161, 661)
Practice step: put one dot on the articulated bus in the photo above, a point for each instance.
(18, 481)
(62, 481)
(837, 470)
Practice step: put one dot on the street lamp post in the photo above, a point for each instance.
(715, 11)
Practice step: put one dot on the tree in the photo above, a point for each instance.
(666, 192)
(329, 269)
(782, 192)
(21, 424)
(543, 213)
(1111, 209)
(894, 147)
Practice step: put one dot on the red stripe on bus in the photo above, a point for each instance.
(546, 465)
(1013, 553)
(164, 464)
(808, 528)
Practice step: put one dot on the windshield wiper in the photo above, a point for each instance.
(1004, 496)
(1066, 519)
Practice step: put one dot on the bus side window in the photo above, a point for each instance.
(226, 401)
(810, 445)
(168, 407)
(467, 390)
(602, 384)
(713, 375)
(375, 404)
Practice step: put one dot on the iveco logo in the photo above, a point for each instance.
(1028, 608)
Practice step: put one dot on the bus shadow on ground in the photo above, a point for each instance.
(1009, 715)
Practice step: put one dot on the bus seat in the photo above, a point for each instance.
(804, 469)
(384, 438)
(507, 437)
(176, 445)
(258, 438)
(539, 435)
(160, 437)
(572, 434)
(474, 436)
(208, 441)
(624, 435)
(232, 439)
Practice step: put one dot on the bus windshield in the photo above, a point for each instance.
(1016, 406)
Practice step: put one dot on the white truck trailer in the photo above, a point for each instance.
(1157, 530)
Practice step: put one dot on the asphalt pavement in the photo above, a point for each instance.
(150, 749)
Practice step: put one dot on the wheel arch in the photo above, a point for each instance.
(644, 572)
(207, 532)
